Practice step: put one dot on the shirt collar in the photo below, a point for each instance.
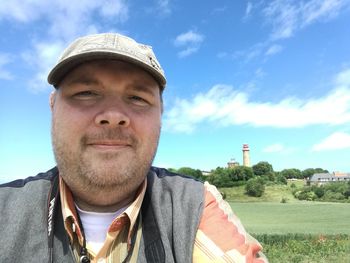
(70, 217)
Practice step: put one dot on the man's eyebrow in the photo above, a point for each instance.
(86, 80)
(142, 88)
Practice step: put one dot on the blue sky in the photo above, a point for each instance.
(273, 74)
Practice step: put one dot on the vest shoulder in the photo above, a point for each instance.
(168, 175)
(39, 178)
(161, 181)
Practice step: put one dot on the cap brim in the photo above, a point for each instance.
(61, 69)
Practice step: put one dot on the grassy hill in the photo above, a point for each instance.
(273, 193)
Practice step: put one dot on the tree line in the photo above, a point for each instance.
(254, 178)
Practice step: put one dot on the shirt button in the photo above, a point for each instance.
(101, 260)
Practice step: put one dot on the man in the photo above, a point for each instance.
(104, 202)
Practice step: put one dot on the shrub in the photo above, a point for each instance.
(265, 178)
(347, 193)
(305, 194)
(223, 194)
(255, 187)
(284, 200)
(319, 191)
(332, 196)
(297, 194)
(311, 196)
(281, 179)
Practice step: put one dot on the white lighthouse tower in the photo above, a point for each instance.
(246, 155)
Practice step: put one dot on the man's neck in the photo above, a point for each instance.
(103, 208)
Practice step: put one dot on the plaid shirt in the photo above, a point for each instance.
(220, 235)
(120, 232)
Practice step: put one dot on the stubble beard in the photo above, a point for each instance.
(121, 171)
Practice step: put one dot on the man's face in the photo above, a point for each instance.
(106, 119)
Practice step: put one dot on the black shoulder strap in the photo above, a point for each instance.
(154, 249)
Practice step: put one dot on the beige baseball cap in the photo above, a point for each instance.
(107, 46)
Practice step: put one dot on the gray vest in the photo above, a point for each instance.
(171, 211)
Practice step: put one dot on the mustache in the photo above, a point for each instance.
(111, 135)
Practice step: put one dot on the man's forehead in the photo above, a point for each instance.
(88, 73)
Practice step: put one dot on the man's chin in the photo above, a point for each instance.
(100, 179)
(110, 172)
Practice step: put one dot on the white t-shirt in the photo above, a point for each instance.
(96, 226)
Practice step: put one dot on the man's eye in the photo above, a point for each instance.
(138, 100)
(85, 94)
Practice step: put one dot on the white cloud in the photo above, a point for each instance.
(164, 6)
(286, 17)
(222, 55)
(189, 37)
(65, 20)
(256, 51)
(343, 78)
(273, 50)
(22, 11)
(43, 56)
(336, 141)
(189, 42)
(248, 10)
(115, 9)
(283, 17)
(76, 14)
(188, 51)
(250, 53)
(314, 10)
(4, 73)
(224, 106)
(219, 10)
(274, 148)
(259, 73)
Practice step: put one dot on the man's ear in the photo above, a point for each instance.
(52, 99)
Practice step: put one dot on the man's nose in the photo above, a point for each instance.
(113, 115)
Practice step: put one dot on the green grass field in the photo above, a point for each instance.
(296, 231)
(296, 217)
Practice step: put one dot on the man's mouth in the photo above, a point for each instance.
(109, 145)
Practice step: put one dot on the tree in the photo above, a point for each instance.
(262, 168)
(219, 171)
(240, 173)
(195, 173)
(291, 173)
(311, 171)
(248, 173)
(255, 187)
(220, 180)
(173, 170)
